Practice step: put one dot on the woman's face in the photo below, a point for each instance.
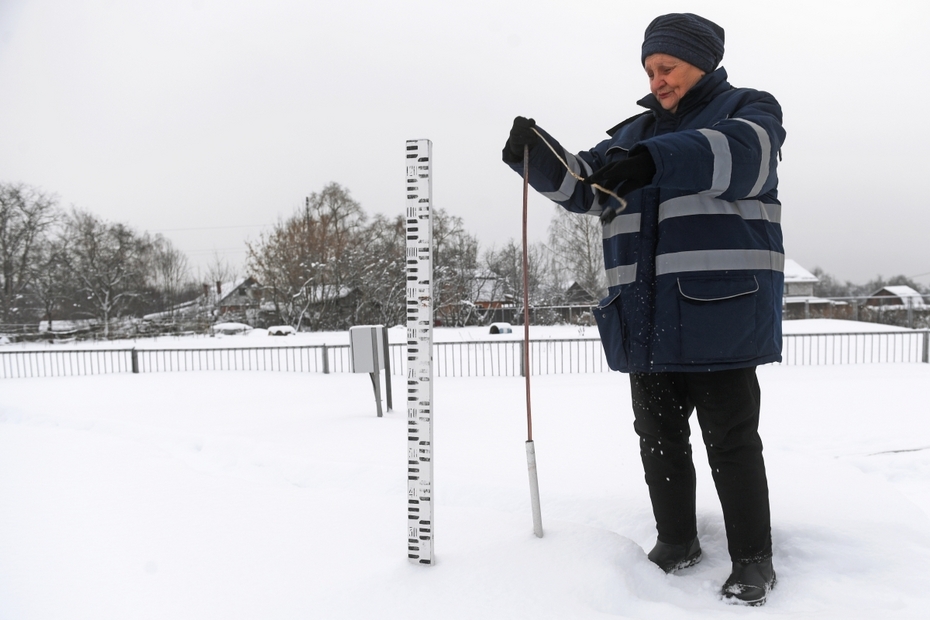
(670, 78)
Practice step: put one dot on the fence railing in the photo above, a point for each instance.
(856, 348)
(505, 358)
(321, 358)
(63, 363)
(451, 359)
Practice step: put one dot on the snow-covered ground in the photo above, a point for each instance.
(275, 495)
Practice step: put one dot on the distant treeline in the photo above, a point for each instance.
(829, 287)
(328, 266)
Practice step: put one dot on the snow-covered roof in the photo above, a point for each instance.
(179, 308)
(796, 273)
(321, 292)
(577, 293)
(903, 292)
(228, 288)
(489, 289)
(218, 292)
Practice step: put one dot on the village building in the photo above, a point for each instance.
(800, 301)
(900, 295)
(237, 297)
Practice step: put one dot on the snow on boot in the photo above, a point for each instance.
(749, 583)
(671, 557)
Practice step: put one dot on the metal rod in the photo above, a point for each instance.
(387, 368)
(526, 295)
(530, 446)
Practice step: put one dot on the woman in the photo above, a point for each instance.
(694, 266)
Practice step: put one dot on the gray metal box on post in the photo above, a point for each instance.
(370, 353)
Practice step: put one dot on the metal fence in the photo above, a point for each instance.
(856, 348)
(63, 363)
(505, 358)
(451, 359)
(321, 358)
(67, 362)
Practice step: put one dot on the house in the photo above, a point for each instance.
(799, 300)
(234, 297)
(490, 295)
(333, 307)
(475, 301)
(799, 282)
(577, 295)
(896, 305)
(233, 301)
(902, 296)
(237, 300)
(491, 301)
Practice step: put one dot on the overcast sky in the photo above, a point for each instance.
(209, 120)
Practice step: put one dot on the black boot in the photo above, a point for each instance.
(749, 583)
(671, 557)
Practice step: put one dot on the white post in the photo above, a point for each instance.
(534, 489)
(420, 524)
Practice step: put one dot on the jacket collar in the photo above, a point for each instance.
(708, 87)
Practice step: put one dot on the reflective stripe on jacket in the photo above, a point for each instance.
(695, 263)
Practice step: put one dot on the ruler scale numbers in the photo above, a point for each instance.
(419, 287)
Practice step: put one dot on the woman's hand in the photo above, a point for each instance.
(623, 176)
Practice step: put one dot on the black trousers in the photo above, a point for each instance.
(727, 404)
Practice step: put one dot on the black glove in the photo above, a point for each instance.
(624, 176)
(521, 134)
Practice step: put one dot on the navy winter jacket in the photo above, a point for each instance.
(695, 264)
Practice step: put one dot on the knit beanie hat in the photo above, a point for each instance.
(690, 37)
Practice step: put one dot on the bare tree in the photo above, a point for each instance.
(310, 263)
(506, 264)
(278, 260)
(381, 273)
(107, 263)
(25, 215)
(219, 270)
(51, 283)
(169, 271)
(455, 269)
(828, 286)
(577, 245)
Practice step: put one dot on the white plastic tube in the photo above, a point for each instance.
(534, 489)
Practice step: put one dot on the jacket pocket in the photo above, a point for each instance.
(610, 326)
(718, 318)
